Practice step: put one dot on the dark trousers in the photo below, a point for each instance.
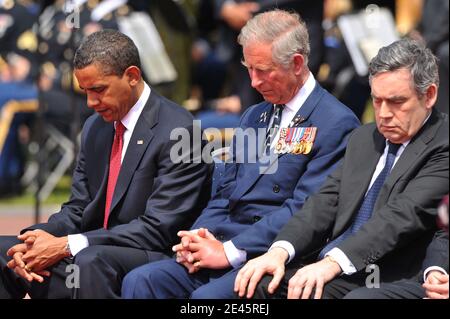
(335, 289)
(167, 279)
(95, 272)
(403, 289)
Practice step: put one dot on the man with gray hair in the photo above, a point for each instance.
(375, 215)
(300, 125)
(121, 212)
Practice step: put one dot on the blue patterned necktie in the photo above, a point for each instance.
(272, 131)
(365, 211)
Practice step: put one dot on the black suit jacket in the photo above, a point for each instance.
(403, 221)
(154, 197)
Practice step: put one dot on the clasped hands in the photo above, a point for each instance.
(38, 251)
(436, 285)
(200, 249)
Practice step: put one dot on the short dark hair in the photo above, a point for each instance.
(111, 49)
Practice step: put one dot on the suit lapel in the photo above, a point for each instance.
(103, 144)
(409, 156)
(259, 120)
(140, 139)
(97, 165)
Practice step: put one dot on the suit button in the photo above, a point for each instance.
(256, 218)
(276, 188)
(220, 237)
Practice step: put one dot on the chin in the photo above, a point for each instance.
(394, 139)
(108, 119)
(271, 100)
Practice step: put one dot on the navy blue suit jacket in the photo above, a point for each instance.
(144, 214)
(250, 208)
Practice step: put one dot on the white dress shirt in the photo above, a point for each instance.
(78, 242)
(237, 257)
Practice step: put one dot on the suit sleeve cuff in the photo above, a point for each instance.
(346, 265)
(236, 257)
(77, 243)
(425, 273)
(286, 246)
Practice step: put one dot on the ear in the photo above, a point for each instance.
(133, 74)
(298, 62)
(431, 96)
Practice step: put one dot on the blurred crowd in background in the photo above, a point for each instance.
(189, 54)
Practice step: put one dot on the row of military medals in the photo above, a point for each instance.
(296, 140)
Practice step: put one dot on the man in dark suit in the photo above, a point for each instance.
(255, 199)
(130, 194)
(367, 217)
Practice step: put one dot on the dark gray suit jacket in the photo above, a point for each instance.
(154, 197)
(403, 221)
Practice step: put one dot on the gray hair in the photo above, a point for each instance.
(110, 49)
(411, 55)
(285, 30)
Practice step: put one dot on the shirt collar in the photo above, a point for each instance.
(305, 91)
(130, 120)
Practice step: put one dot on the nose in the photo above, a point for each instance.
(384, 111)
(256, 80)
(92, 101)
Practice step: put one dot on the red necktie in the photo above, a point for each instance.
(114, 168)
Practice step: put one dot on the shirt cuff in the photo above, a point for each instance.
(236, 257)
(346, 265)
(77, 243)
(425, 273)
(286, 246)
